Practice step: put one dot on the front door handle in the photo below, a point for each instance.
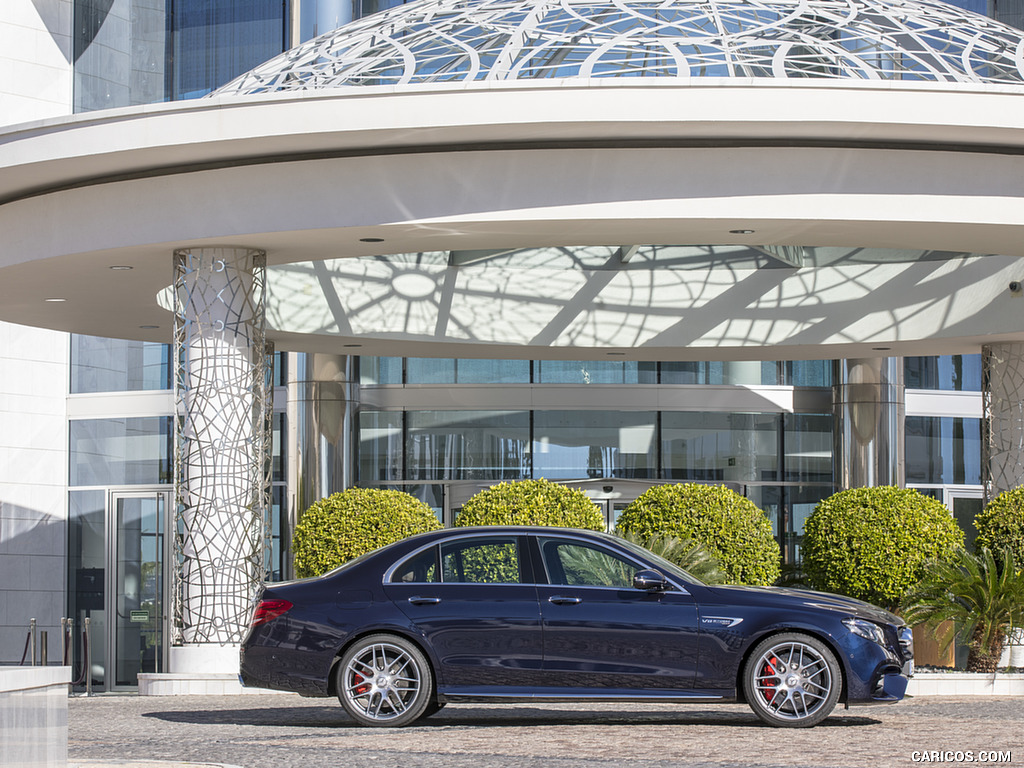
(564, 600)
(424, 600)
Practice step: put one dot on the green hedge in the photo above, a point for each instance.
(1001, 525)
(729, 526)
(346, 525)
(873, 543)
(531, 502)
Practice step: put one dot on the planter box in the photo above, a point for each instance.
(966, 684)
(34, 716)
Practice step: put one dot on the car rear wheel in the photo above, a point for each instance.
(792, 680)
(384, 680)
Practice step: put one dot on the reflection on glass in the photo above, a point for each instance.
(467, 445)
(380, 446)
(595, 372)
(87, 537)
(947, 372)
(379, 370)
(734, 447)
(807, 456)
(138, 627)
(121, 451)
(576, 444)
(943, 450)
(117, 365)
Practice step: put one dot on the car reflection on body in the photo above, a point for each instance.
(518, 614)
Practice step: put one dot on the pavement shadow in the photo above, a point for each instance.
(512, 717)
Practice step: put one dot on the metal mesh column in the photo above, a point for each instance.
(1002, 442)
(221, 452)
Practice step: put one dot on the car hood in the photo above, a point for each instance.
(825, 600)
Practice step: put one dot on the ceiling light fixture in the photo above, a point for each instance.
(741, 231)
(55, 300)
(121, 267)
(371, 239)
(149, 327)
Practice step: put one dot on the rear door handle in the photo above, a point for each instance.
(564, 600)
(424, 600)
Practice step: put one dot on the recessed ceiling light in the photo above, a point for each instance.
(881, 349)
(741, 231)
(353, 345)
(55, 299)
(616, 353)
(371, 239)
(149, 327)
(121, 267)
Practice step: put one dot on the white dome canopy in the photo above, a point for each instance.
(434, 41)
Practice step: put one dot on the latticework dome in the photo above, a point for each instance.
(459, 41)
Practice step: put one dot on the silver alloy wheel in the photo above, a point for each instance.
(381, 682)
(792, 680)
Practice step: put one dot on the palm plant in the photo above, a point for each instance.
(688, 554)
(982, 599)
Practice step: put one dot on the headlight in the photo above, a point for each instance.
(867, 630)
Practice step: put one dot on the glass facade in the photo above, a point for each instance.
(107, 452)
(129, 52)
(117, 365)
(943, 450)
(959, 373)
(576, 444)
(467, 445)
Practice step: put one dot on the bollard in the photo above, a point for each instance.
(43, 645)
(32, 632)
(88, 658)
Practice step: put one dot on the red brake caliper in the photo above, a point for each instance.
(769, 670)
(356, 680)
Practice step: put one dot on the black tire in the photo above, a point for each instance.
(384, 681)
(792, 680)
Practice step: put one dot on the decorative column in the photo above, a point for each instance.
(323, 402)
(869, 441)
(221, 454)
(1002, 385)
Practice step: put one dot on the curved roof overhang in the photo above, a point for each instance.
(488, 168)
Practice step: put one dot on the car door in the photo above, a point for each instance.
(600, 632)
(468, 597)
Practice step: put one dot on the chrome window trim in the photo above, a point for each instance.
(390, 572)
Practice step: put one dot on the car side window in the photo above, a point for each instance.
(481, 561)
(421, 568)
(581, 565)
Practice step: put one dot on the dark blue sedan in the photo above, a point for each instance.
(549, 614)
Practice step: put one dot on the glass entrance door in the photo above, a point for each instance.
(137, 587)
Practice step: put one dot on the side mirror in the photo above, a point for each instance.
(650, 581)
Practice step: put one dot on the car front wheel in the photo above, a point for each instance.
(792, 680)
(384, 680)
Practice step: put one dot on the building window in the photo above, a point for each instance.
(117, 365)
(374, 371)
(121, 451)
(947, 372)
(595, 372)
(716, 447)
(943, 450)
(576, 444)
(380, 447)
(467, 445)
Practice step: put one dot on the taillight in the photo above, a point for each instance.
(268, 610)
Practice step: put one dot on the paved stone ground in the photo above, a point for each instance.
(276, 731)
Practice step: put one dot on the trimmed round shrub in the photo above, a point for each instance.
(729, 526)
(531, 502)
(873, 543)
(351, 523)
(1001, 524)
